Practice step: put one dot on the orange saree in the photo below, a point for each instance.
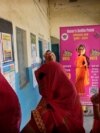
(82, 74)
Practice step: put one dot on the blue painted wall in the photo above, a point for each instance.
(28, 97)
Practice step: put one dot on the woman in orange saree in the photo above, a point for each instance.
(82, 71)
(59, 110)
(10, 112)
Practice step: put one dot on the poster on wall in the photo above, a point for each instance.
(34, 57)
(0, 52)
(9, 73)
(33, 48)
(80, 56)
(7, 47)
(0, 49)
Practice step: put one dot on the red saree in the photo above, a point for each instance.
(96, 123)
(59, 110)
(96, 126)
(10, 115)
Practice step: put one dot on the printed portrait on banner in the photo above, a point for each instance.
(80, 56)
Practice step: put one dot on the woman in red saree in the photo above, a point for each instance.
(59, 110)
(10, 113)
(96, 108)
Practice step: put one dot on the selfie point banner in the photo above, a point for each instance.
(70, 39)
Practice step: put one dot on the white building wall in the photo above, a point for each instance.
(30, 15)
(82, 12)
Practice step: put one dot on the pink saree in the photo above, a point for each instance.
(10, 113)
(59, 110)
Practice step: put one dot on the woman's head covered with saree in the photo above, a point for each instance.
(61, 96)
(49, 56)
(10, 113)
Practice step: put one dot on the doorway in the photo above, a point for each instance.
(55, 49)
